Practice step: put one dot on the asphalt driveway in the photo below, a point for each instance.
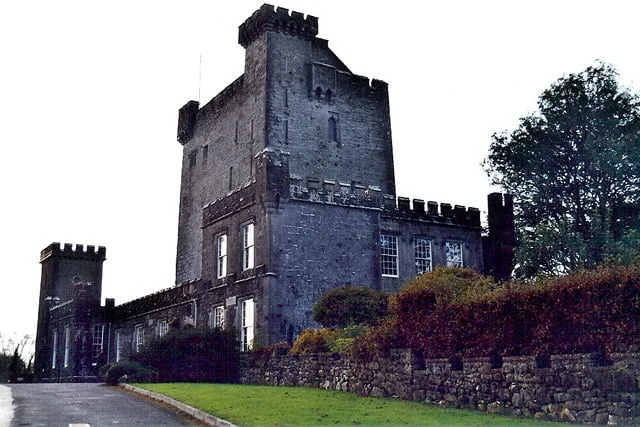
(84, 404)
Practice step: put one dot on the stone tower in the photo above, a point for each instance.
(296, 98)
(68, 275)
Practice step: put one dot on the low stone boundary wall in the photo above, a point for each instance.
(583, 387)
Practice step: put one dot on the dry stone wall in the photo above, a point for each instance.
(573, 388)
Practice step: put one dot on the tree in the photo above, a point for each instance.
(573, 167)
(350, 305)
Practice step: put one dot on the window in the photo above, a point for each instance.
(138, 338)
(55, 350)
(318, 92)
(118, 346)
(333, 129)
(248, 246)
(422, 254)
(216, 317)
(389, 255)
(98, 339)
(454, 254)
(192, 159)
(163, 328)
(67, 345)
(205, 155)
(222, 256)
(247, 322)
(235, 138)
(329, 95)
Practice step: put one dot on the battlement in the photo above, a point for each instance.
(179, 294)
(68, 251)
(446, 214)
(328, 81)
(278, 19)
(232, 202)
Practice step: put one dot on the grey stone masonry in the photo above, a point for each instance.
(574, 388)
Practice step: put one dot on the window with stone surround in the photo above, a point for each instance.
(216, 317)
(454, 254)
(221, 248)
(67, 345)
(98, 340)
(163, 328)
(247, 314)
(55, 349)
(118, 346)
(389, 255)
(248, 248)
(138, 338)
(422, 254)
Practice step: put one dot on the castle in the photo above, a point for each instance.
(287, 191)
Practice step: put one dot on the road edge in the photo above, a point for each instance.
(205, 418)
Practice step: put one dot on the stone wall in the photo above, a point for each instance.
(582, 388)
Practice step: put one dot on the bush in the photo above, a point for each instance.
(132, 371)
(350, 305)
(590, 311)
(209, 355)
(313, 341)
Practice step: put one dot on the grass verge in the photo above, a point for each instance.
(292, 406)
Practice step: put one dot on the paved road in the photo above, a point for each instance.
(92, 404)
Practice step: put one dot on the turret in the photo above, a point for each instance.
(279, 19)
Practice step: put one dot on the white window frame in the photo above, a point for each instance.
(67, 345)
(389, 255)
(216, 317)
(221, 245)
(163, 328)
(138, 338)
(248, 246)
(98, 340)
(423, 255)
(247, 320)
(55, 349)
(449, 247)
(118, 346)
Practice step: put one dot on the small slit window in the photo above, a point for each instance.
(318, 92)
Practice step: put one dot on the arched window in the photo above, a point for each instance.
(329, 95)
(318, 92)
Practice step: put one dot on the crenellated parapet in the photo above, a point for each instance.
(276, 19)
(232, 202)
(328, 82)
(74, 252)
(442, 213)
(177, 295)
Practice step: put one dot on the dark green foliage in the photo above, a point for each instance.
(590, 311)
(127, 371)
(574, 171)
(350, 305)
(209, 355)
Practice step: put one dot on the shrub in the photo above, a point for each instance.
(132, 371)
(313, 341)
(350, 305)
(589, 311)
(209, 355)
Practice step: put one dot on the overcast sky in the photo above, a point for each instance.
(89, 94)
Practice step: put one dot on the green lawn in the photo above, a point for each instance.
(291, 406)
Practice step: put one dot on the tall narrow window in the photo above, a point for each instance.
(138, 338)
(163, 328)
(98, 340)
(222, 255)
(118, 346)
(216, 317)
(318, 92)
(252, 129)
(235, 138)
(328, 95)
(230, 178)
(205, 155)
(286, 97)
(454, 254)
(247, 322)
(67, 345)
(286, 130)
(333, 129)
(248, 246)
(55, 350)
(193, 158)
(389, 255)
(422, 253)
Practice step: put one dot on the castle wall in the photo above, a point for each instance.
(571, 388)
